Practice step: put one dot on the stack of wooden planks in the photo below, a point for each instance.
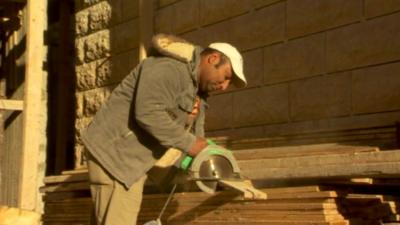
(345, 162)
(67, 198)
(292, 206)
(322, 193)
(306, 205)
(284, 206)
(386, 137)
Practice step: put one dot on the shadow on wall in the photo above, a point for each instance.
(61, 86)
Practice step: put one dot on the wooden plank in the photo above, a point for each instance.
(34, 110)
(246, 188)
(366, 188)
(284, 207)
(17, 105)
(384, 169)
(179, 207)
(65, 187)
(66, 178)
(247, 211)
(361, 221)
(77, 171)
(259, 217)
(301, 189)
(228, 196)
(322, 160)
(252, 218)
(62, 196)
(296, 151)
(265, 222)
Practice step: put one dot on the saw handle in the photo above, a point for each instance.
(187, 160)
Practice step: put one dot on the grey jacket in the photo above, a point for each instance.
(147, 112)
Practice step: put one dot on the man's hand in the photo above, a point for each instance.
(198, 145)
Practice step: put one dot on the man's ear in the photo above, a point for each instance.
(213, 58)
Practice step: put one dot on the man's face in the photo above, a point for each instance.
(213, 77)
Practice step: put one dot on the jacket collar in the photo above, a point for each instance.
(179, 49)
(174, 47)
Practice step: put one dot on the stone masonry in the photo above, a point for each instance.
(106, 49)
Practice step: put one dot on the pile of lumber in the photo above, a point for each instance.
(314, 205)
(345, 162)
(67, 199)
(312, 184)
(294, 205)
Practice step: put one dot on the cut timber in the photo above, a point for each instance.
(249, 192)
(17, 105)
(271, 206)
(66, 178)
(303, 150)
(258, 223)
(363, 164)
(280, 193)
(62, 196)
(66, 187)
(322, 160)
(383, 169)
(71, 172)
(235, 216)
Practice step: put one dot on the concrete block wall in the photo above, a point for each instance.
(106, 46)
(312, 65)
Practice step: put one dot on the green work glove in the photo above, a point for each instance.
(187, 160)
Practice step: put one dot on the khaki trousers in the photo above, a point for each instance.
(113, 203)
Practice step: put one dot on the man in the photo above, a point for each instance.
(159, 105)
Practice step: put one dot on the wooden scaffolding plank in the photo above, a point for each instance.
(17, 105)
(33, 109)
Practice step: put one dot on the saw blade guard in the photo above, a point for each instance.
(212, 164)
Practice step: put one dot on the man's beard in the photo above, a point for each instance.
(212, 87)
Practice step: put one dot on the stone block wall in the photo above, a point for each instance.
(106, 46)
(311, 65)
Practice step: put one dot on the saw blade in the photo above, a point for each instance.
(217, 167)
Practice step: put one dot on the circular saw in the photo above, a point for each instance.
(215, 166)
(210, 166)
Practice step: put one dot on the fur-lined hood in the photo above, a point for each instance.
(172, 46)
